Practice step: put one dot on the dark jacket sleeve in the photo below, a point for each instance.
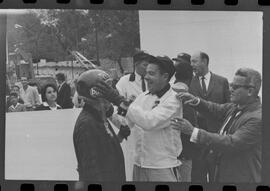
(89, 169)
(226, 90)
(188, 147)
(246, 136)
(212, 110)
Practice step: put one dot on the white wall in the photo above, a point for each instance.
(231, 39)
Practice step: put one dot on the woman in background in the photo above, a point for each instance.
(49, 96)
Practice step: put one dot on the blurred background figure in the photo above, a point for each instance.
(64, 92)
(29, 95)
(15, 106)
(49, 97)
(183, 76)
(114, 76)
(131, 85)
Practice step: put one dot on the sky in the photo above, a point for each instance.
(231, 39)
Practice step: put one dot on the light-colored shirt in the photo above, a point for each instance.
(206, 79)
(30, 96)
(157, 144)
(17, 108)
(130, 89)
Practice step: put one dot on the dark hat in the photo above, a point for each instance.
(182, 57)
(165, 64)
(141, 56)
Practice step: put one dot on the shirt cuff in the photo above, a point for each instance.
(194, 135)
(198, 100)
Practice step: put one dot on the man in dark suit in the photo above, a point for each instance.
(64, 92)
(236, 147)
(211, 87)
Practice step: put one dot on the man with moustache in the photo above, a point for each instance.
(237, 144)
(212, 87)
(157, 145)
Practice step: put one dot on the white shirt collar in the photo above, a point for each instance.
(207, 76)
(12, 106)
(47, 105)
(137, 76)
(61, 85)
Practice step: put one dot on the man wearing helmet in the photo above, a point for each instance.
(97, 147)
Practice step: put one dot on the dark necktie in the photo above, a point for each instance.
(227, 125)
(204, 86)
(143, 84)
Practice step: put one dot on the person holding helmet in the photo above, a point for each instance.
(97, 147)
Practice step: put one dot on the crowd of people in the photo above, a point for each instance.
(181, 122)
(26, 96)
(177, 121)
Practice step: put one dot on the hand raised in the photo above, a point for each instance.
(187, 98)
(183, 125)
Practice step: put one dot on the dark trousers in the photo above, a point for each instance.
(201, 168)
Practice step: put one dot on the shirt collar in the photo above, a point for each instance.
(206, 76)
(137, 76)
(160, 93)
(15, 106)
(61, 84)
(47, 105)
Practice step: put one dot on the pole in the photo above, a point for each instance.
(97, 48)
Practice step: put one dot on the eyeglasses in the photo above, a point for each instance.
(237, 86)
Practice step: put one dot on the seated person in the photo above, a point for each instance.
(15, 106)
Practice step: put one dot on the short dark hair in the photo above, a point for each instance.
(60, 77)
(253, 77)
(43, 91)
(183, 72)
(204, 56)
(165, 65)
(141, 56)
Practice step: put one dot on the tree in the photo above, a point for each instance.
(95, 33)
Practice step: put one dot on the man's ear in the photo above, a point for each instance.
(166, 76)
(251, 91)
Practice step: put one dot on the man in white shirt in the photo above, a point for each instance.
(130, 86)
(29, 95)
(157, 144)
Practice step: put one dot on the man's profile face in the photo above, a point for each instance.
(198, 64)
(155, 80)
(239, 90)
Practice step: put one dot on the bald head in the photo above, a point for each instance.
(199, 62)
